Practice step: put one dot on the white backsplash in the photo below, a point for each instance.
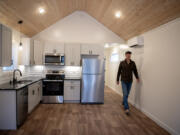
(5, 76)
(39, 71)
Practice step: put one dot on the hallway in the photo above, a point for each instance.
(77, 119)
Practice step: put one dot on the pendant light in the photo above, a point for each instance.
(20, 43)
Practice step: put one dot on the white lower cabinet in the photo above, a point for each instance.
(34, 95)
(72, 91)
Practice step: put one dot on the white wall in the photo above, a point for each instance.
(78, 27)
(158, 94)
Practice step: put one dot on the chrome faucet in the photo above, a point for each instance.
(14, 74)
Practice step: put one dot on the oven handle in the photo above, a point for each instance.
(52, 80)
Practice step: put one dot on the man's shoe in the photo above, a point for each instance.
(127, 112)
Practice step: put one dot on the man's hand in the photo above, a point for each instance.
(117, 82)
(138, 80)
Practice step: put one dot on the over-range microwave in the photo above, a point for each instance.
(54, 59)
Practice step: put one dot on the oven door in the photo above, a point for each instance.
(53, 87)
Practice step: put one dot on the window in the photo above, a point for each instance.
(114, 57)
(10, 68)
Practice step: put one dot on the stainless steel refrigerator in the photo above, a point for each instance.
(92, 86)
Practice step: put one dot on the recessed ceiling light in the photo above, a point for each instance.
(41, 10)
(118, 14)
(106, 45)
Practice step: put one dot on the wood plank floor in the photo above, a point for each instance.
(77, 119)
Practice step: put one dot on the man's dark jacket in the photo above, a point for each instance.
(125, 71)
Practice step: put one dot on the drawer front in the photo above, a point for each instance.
(72, 82)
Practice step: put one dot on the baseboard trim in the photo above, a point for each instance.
(155, 119)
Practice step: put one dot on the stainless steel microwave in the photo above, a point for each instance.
(54, 59)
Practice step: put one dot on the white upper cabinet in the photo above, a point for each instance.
(72, 54)
(92, 49)
(25, 52)
(38, 52)
(5, 46)
(54, 47)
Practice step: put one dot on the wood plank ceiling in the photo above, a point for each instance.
(138, 16)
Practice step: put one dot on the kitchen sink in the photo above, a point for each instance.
(24, 81)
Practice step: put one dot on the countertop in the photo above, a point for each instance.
(72, 78)
(17, 86)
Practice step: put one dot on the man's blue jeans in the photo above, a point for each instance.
(126, 87)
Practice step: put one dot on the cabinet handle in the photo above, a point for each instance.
(72, 63)
(11, 62)
(38, 91)
(33, 92)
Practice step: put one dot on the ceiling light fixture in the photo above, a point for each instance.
(106, 45)
(20, 22)
(118, 14)
(41, 10)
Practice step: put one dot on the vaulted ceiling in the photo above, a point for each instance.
(138, 16)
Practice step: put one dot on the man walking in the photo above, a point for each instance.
(126, 68)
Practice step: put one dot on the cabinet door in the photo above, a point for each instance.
(25, 60)
(72, 54)
(34, 95)
(93, 49)
(72, 90)
(6, 46)
(37, 95)
(31, 98)
(54, 47)
(76, 93)
(68, 93)
(40, 91)
(85, 49)
(38, 52)
(97, 49)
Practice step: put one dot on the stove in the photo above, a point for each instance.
(53, 87)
